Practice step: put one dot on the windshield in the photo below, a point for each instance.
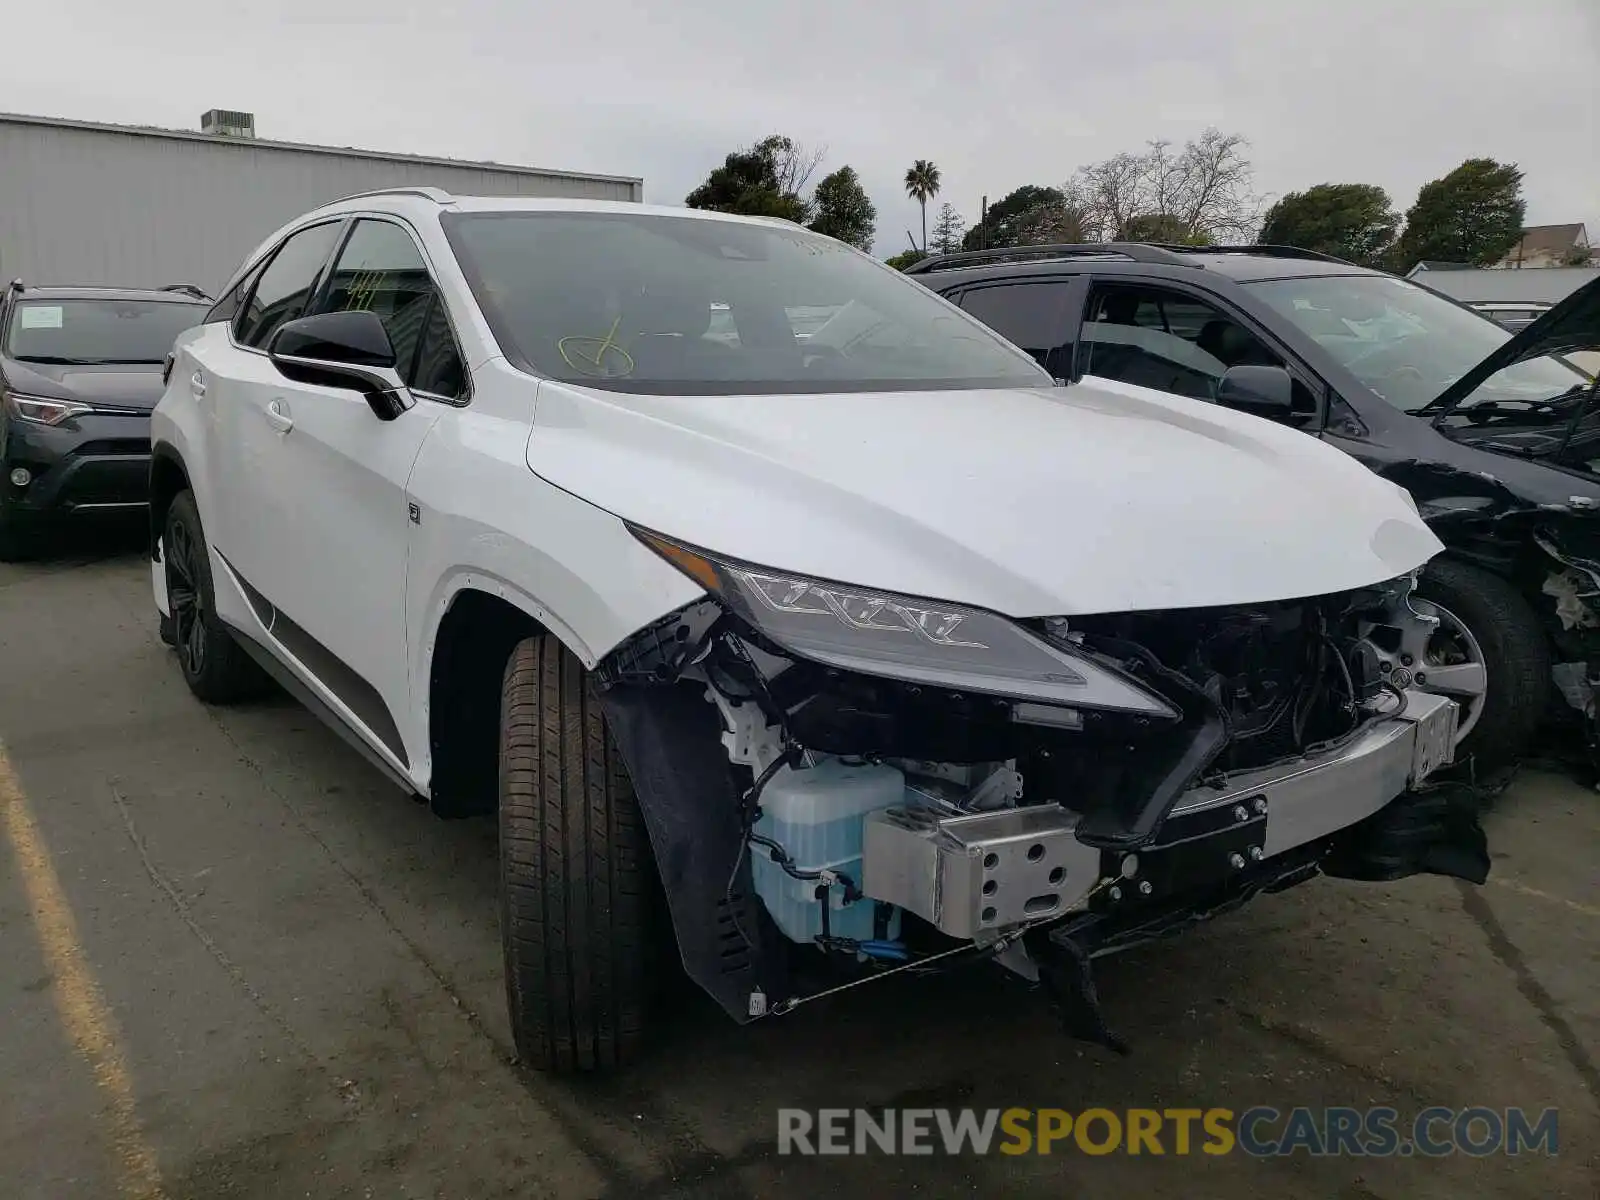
(98, 331)
(686, 306)
(1406, 343)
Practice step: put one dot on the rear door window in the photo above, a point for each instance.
(284, 289)
(1031, 315)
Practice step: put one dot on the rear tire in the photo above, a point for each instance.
(216, 668)
(1516, 656)
(576, 872)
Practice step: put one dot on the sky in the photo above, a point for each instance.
(997, 94)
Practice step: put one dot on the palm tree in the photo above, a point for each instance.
(922, 185)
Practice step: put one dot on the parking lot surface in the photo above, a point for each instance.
(236, 962)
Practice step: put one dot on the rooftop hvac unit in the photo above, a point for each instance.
(225, 123)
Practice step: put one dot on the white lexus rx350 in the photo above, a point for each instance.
(735, 571)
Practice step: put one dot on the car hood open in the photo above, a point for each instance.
(1568, 328)
(1091, 498)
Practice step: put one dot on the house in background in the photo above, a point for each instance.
(1550, 246)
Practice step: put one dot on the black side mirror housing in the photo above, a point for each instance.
(343, 350)
(1264, 391)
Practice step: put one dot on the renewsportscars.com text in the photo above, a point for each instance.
(1260, 1131)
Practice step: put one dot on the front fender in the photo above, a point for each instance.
(485, 522)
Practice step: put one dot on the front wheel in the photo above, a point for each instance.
(1489, 654)
(576, 872)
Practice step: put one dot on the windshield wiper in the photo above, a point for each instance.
(1559, 405)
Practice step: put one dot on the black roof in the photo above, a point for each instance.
(177, 293)
(1235, 262)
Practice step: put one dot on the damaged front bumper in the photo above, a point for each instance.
(977, 875)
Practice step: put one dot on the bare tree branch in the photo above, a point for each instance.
(1203, 192)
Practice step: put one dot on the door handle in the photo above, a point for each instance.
(278, 416)
(197, 386)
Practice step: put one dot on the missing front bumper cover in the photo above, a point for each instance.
(977, 874)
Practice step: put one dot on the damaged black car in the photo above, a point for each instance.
(1497, 437)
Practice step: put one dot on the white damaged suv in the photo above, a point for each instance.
(736, 571)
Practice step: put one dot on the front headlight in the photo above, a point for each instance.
(43, 411)
(919, 641)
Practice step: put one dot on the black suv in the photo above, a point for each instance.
(80, 370)
(1496, 437)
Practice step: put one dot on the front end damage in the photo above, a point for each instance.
(1572, 585)
(1549, 550)
(798, 789)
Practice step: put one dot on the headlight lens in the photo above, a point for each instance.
(921, 641)
(43, 411)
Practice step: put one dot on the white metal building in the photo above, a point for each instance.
(82, 202)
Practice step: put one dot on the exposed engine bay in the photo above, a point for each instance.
(878, 818)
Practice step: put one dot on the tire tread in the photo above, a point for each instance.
(574, 870)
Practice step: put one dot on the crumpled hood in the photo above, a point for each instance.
(113, 385)
(1099, 497)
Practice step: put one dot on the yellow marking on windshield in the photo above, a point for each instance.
(595, 364)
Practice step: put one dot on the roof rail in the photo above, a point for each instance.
(1144, 252)
(1265, 249)
(437, 195)
(16, 285)
(189, 288)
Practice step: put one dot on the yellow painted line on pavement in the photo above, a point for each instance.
(82, 1007)
(1511, 885)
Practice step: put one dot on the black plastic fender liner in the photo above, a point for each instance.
(1431, 831)
(670, 739)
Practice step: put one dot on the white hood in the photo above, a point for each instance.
(1094, 498)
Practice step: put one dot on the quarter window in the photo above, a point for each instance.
(227, 308)
(284, 288)
(1030, 315)
(381, 271)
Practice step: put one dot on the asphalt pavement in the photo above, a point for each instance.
(235, 962)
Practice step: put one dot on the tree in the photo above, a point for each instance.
(1203, 193)
(1353, 221)
(1018, 218)
(1472, 215)
(844, 210)
(1577, 256)
(1161, 227)
(1055, 219)
(922, 185)
(762, 180)
(905, 259)
(947, 229)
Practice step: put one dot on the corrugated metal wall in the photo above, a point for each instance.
(91, 205)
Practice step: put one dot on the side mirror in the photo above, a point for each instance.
(342, 350)
(1261, 390)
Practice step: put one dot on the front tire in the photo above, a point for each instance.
(1484, 618)
(575, 871)
(214, 666)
